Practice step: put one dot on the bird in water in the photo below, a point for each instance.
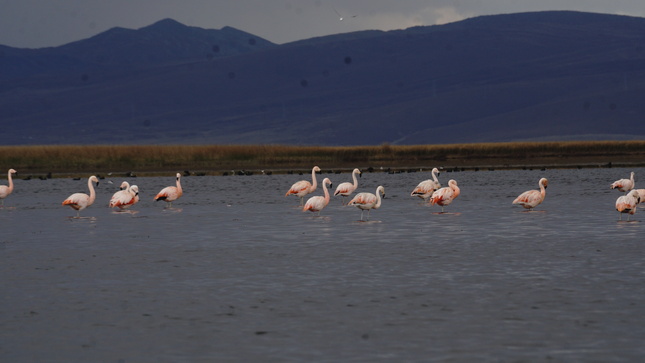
(170, 194)
(317, 203)
(444, 196)
(80, 201)
(368, 201)
(425, 189)
(303, 187)
(627, 204)
(346, 189)
(624, 185)
(5, 190)
(532, 198)
(126, 197)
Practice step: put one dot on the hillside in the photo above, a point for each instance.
(528, 76)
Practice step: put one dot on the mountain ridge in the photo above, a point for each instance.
(527, 76)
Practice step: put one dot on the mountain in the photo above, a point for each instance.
(514, 77)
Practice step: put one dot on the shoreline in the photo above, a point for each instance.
(133, 160)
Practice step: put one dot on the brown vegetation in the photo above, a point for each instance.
(217, 158)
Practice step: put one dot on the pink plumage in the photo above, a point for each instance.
(532, 198)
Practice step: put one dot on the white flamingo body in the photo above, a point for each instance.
(368, 201)
(303, 187)
(346, 189)
(80, 201)
(532, 198)
(425, 189)
(317, 203)
(5, 190)
(170, 194)
(627, 204)
(125, 198)
(444, 196)
(624, 185)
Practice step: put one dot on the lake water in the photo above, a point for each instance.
(236, 272)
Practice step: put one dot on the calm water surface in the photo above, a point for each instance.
(236, 272)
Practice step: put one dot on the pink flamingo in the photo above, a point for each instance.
(444, 196)
(624, 185)
(126, 197)
(80, 201)
(368, 201)
(345, 189)
(317, 203)
(627, 204)
(532, 198)
(170, 194)
(6, 190)
(303, 187)
(425, 189)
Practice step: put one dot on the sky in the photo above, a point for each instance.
(45, 23)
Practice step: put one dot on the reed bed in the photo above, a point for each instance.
(93, 158)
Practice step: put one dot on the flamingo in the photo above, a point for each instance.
(126, 197)
(347, 188)
(627, 203)
(170, 194)
(444, 196)
(531, 198)
(80, 201)
(303, 187)
(317, 203)
(624, 185)
(368, 201)
(425, 189)
(6, 190)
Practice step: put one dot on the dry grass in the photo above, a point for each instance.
(84, 159)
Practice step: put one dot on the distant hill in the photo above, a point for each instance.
(527, 76)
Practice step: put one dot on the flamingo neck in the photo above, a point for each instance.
(92, 192)
(378, 199)
(542, 190)
(434, 176)
(455, 190)
(179, 187)
(355, 180)
(314, 183)
(10, 182)
(326, 192)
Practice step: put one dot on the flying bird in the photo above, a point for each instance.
(532, 198)
(303, 187)
(345, 189)
(368, 201)
(627, 204)
(624, 185)
(317, 203)
(340, 17)
(170, 194)
(425, 189)
(5, 190)
(80, 201)
(444, 196)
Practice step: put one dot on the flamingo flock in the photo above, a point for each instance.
(429, 190)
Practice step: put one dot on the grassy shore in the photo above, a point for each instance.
(217, 159)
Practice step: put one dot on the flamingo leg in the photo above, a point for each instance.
(362, 210)
(368, 214)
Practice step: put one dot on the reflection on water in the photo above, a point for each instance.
(234, 261)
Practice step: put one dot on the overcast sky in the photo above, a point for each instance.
(41, 23)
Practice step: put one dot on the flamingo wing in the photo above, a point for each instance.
(443, 196)
(345, 189)
(78, 201)
(168, 194)
(424, 188)
(300, 188)
(625, 205)
(363, 200)
(4, 191)
(623, 185)
(122, 199)
(529, 199)
(314, 204)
